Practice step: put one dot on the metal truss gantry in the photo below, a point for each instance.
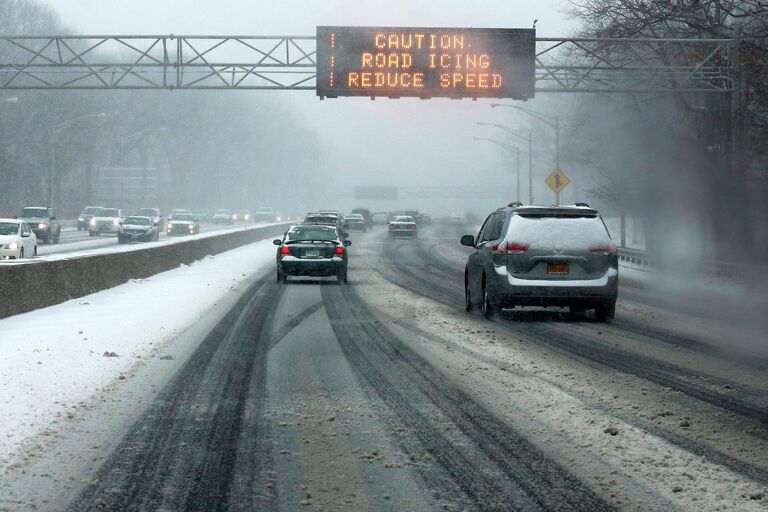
(290, 63)
(158, 62)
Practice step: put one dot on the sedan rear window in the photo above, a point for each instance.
(553, 231)
(312, 233)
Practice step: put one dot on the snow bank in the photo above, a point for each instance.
(54, 359)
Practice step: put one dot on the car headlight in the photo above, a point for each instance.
(42, 225)
(80, 219)
(116, 223)
(247, 217)
(93, 222)
(12, 246)
(279, 219)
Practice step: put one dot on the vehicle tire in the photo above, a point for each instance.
(342, 277)
(34, 254)
(468, 306)
(574, 310)
(489, 311)
(58, 237)
(605, 312)
(21, 254)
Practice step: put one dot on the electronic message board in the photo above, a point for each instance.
(425, 62)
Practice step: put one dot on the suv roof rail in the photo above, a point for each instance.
(515, 204)
(582, 204)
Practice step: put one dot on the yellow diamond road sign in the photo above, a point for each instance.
(557, 181)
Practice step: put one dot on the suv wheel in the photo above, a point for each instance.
(605, 311)
(488, 310)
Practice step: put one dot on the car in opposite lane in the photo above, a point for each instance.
(105, 221)
(152, 213)
(138, 228)
(403, 226)
(43, 222)
(183, 224)
(542, 256)
(17, 240)
(312, 250)
(242, 216)
(223, 217)
(264, 214)
(458, 219)
(85, 217)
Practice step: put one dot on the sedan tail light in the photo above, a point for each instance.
(603, 249)
(507, 247)
(339, 251)
(285, 250)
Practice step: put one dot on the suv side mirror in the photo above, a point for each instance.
(277, 241)
(347, 243)
(53, 217)
(26, 235)
(468, 240)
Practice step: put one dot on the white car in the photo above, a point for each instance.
(403, 226)
(17, 240)
(105, 220)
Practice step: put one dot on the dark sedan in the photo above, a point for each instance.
(183, 224)
(138, 229)
(312, 250)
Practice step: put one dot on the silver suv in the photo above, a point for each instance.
(542, 256)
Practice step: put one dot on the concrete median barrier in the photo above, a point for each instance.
(39, 284)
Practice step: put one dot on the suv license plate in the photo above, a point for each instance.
(557, 268)
(312, 253)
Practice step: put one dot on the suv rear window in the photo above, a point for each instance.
(546, 231)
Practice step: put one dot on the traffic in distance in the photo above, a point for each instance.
(558, 256)
(39, 225)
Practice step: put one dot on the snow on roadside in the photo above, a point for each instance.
(53, 359)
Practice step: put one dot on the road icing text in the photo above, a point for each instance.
(424, 60)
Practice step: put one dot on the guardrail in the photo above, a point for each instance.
(740, 271)
(42, 283)
(635, 256)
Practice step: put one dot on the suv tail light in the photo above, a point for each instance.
(603, 249)
(339, 251)
(285, 250)
(391, 227)
(507, 247)
(413, 227)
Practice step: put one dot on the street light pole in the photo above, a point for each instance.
(54, 136)
(518, 173)
(528, 139)
(552, 121)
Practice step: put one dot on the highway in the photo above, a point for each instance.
(73, 241)
(384, 394)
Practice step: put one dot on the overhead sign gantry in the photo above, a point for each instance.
(426, 62)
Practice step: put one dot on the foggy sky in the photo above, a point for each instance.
(386, 142)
